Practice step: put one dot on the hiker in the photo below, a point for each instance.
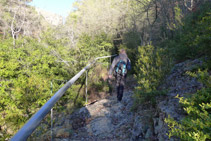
(120, 65)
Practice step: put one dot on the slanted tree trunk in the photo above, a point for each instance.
(15, 29)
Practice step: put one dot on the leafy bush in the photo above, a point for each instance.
(150, 69)
(89, 47)
(25, 73)
(196, 125)
(27, 70)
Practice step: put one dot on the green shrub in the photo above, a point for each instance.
(197, 124)
(27, 70)
(192, 40)
(25, 74)
(151, 66)
(89, 48)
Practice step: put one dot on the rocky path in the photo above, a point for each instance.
(106, 119)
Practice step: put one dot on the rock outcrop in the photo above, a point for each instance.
(51, 18)
(177, 83)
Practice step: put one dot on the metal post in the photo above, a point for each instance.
(51, 114)
(51, 124)
(86, 87)
(108, 65)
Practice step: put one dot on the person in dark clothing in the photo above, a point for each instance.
(120, 65)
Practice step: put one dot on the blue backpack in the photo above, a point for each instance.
(121, 68)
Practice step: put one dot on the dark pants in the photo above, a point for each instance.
(120, 83)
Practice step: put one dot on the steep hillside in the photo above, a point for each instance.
(163, 40)
(108, 119)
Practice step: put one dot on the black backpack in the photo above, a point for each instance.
(121, 68)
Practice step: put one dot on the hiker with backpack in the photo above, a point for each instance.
(120, 65)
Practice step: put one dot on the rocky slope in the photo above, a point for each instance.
(177, 83)
(51, 18)
(108, 119)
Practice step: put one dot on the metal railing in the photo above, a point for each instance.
(34, 121)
